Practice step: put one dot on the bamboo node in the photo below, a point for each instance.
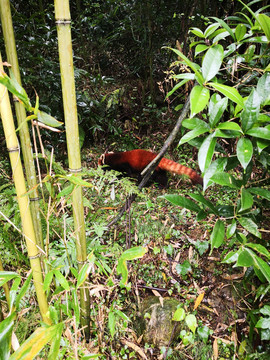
(13, 149)
(75, 171)
(62, 21)
(35, 198)
(35, 256)
(82, 262)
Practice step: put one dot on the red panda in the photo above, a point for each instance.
(134, 161)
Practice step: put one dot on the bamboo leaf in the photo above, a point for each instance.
(212, 62)
(6, 327)
(244, 151)
(199, 98)
(62, 280)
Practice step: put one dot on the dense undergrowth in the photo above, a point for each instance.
(208, 248)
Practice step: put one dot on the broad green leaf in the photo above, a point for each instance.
(263, 88)
(240, 32)
(206, 152)
(211, 29)
(264, 22)
(225, 26)
(217, 235)
(6, 276)
(182, 201)
(245, 258)
(47, 119)
(231, 229)
(199, 98)
(231, 257)
(244, 151)
(122, 269)
(189, 63)
(201, 129)
(198, 32)
(191, 322)
(200, 48)
(212, 62)
(193, 123)
(133, 253)
(6, 327)
(215, 167)
(179, 314)
(15, 88)
(202, 200)
(260, 192)
(263, 323)
(225, 179)
(36, 342)
(230, 92)
(62, 280)
(112, 323)
(230, 125)
(187, 76)
(204, 333)
(250, 113)
(177, 86)
(259, 132)
(263, 267)
(260, 249)
(262, 144)
(250, 226)
(84, 272)
(246, 200)
(216, 108)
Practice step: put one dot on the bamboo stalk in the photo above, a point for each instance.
(62, 17)
(23, 199)
(6, 21)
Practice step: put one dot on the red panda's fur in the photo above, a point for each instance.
(135, 161)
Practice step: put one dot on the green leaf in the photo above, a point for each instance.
(230, 125)
(211, 29)
(260, 249)
(259, 132)
(246, 200)
(189, 63)
(263, 88)
(177, 86)
(62, 280)
(191, 322)
(6, 276)
(225, 179)
(36, 342)
(111, 323)
(231, 257)
(245, 258)
(15, 88)
(179, 315)
(217, 235)
(84, 272)
(250, 113)
(260, 192)
(6, 328)
(240, 32)
(263, 267)
(194, 123)
(199, 98)
(47, 280)
(231, 229)
(250, 226)
(244, 151)
(198, 32)
(182, 201)
(264, 22)
(217, 106)
(200, 48)
(206, 152)
(23, 290)
(201, 129)
(225, 26)
(204, 333)
(133, 253)
(263, 323)
(202, 200)
(47, 119)
(215, 167)
(230, 92)
(212, 62)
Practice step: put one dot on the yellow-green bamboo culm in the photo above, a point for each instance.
(6, 21)
(62, 17)
(23, 200)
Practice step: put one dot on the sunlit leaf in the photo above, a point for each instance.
(230, 92)
(216, 108)
(206, 152)
(179, 314)
(244, 151)
(251, 110)
(250, 226)
(212, 62)
(191, 322)
(199, 130)
(199, 98)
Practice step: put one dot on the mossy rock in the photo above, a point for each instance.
(156, 321)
